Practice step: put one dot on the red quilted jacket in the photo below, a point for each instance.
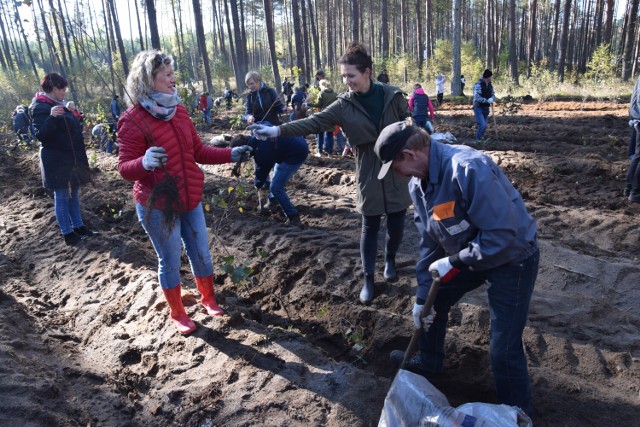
(139, 130)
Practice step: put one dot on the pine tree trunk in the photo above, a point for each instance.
(202, 44)
(564, 40)
(533, 9)
(554, 40)
(271, 38)
(153, 24)
(297, 33)
(140, 34)
(630, 39)
(314, 35)
(116, 27)
(456, 61)
(384, 28)
(26, 42)
(513, 53)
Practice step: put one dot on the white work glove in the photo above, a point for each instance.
(153, 158)
(633, 122)
(241, 153)
(445, 270)
(262, 131)
(427, 320)
(249, 119)
(490, 100)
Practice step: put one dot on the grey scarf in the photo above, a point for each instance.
(160, 105)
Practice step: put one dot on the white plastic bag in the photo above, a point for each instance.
(414, 401)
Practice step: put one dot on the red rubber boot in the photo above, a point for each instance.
(205, 287)
(178, 314)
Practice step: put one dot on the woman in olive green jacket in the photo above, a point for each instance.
(362, 113)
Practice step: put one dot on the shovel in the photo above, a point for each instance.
(431, 297)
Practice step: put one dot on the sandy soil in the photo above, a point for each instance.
(84, 336)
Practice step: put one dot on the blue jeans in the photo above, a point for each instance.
(509, 288)
(67, 208)
(340, 141)
(631, 151)
(188, 230)
(633, 173)
(325, 142)
(206, 116)
(282, 173)
(481, 114)
(369, 238)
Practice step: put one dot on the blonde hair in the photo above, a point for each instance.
(144, 69)
(324, 84)
(253, 75)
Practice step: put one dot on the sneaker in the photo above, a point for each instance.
(414, 364)
(84, 232)
(634, 197)
(72, 239)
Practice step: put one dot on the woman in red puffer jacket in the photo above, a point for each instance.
(160, 151)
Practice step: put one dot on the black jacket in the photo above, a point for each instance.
(63, 157)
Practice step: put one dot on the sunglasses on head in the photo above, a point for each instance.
(160, 59)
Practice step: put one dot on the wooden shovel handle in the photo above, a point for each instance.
(431, 297)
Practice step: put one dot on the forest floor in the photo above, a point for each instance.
(85, 338)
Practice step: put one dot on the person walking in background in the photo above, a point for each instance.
(160, 151)
(115, 108)
(383, 77)
(228, 96)
(362, 112)
(325, 139)
(22, 125)
(299, 104)
(263, 103)
(469, 243)
(440, 79)
(483, 97)
(63, 158)
(463, 82)
(320, 75)
(633, 174)
(284, 156)
(421, 108)
(287, 90)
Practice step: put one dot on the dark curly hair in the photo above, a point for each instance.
(357, 56)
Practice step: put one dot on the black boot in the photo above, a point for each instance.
(390, 268)
(84, 232)
(366, 294)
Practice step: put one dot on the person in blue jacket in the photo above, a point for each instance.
(284, 155)
(474, 230)
(22, 124)
(115, 108)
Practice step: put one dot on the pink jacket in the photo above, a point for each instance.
(138, 130)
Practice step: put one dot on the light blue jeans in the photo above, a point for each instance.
(67, 208)
(481, 114)
(188, 230)
(282, 173)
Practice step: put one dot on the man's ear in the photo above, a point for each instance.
(410, 153)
